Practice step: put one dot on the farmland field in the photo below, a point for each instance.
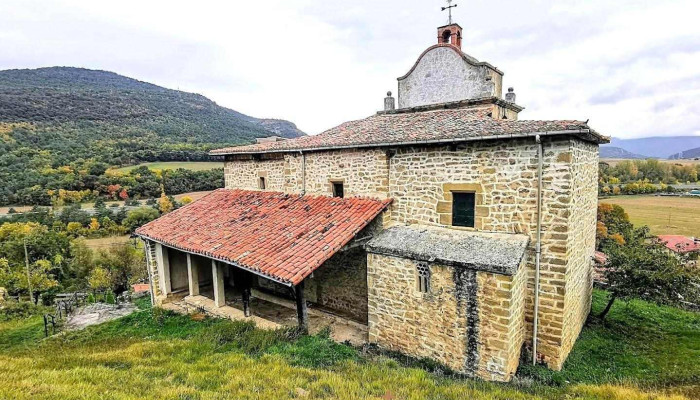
(664, 215)
(193, 165)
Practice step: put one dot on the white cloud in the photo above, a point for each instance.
(629, 66)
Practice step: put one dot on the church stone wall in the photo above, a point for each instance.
(471, 321)
(433, 325)
(442, 75)
(504, 176)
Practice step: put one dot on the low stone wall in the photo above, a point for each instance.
(471, 321)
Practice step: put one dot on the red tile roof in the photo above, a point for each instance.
(281, 236)
(679, 243)
(433, 126)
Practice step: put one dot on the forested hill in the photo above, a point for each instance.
(61, 116)
(97, 106)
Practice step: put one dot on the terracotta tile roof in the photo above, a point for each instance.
(679, 243)
(405, 128)
(281, 236)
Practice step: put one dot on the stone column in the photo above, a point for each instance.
(192, 276)
(217, 274)
(163, 268)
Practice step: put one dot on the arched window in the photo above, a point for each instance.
(423, 277)
(446, 36)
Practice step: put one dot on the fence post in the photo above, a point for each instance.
(46, 326)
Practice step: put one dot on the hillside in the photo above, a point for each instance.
(657, 146)
(617, 152)
(61, 119)
(687, 154)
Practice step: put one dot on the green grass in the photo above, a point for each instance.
(639, 354)
(656, 212)
(193, 165)
(639, 343)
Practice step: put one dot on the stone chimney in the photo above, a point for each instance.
(510, 96)
(450, 34)
(389, 102)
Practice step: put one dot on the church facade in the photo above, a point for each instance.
(449, 227)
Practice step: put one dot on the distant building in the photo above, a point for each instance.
(424, 224)
(688, 247)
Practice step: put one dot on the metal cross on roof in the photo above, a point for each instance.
(449, 10)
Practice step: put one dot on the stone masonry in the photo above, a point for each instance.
(504, 176)
(443, 74)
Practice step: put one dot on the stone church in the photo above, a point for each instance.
(443, 226)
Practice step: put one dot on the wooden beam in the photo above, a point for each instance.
(302, 311)
(245, 282)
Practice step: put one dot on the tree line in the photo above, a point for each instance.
(57, 257)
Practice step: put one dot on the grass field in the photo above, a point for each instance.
(193, 165)
(654, 211)
(106, 242)
(642, 352)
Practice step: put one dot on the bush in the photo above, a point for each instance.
(19, 310)
(109, 298)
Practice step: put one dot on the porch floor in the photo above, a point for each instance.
(271, 312)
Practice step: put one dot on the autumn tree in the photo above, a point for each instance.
(165, 205)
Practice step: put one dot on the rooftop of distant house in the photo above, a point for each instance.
(680, 244)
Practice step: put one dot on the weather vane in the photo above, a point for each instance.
(449, 10)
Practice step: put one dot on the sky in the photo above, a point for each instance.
(631, 67)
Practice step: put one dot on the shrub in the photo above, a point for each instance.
(20, 309)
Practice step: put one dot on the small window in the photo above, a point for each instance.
(463, 209)
(261, 183)
(338, 190)
(423, 273)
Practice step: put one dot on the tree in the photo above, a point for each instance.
(139, 216)
(94, 224)
(648, 272)
(46, 252)
(74, 228)
(126, 264)
(99, 279)
(164, 204)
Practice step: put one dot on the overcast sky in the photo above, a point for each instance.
(632, 67)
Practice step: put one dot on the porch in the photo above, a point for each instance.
(268, 257)
(198, 284)
(271, 312)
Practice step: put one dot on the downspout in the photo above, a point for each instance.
(538, 249)
(303, 173)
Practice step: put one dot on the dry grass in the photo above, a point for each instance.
(107, 242)
(656, 212)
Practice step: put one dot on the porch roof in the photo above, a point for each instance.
(500, 253)
(282, 236)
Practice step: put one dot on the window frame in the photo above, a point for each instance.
(454, 210)
(423, 277)
(334, 188)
